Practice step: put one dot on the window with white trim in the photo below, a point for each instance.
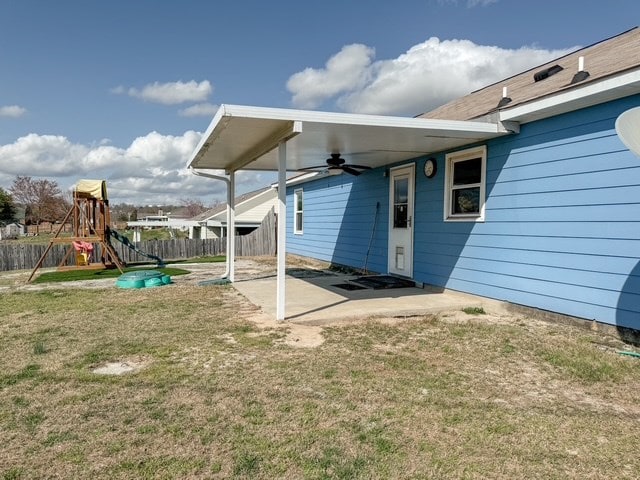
(297, 212)
(465, 182)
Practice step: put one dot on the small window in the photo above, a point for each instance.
(297, 217)
(465, 185)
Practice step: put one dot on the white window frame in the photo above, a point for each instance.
(298, 193)
(450, 160)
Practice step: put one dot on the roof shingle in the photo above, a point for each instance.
(609, 57)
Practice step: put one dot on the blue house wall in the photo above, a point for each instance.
(561, 229)
(345, 220)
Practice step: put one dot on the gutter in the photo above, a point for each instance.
(592, 93)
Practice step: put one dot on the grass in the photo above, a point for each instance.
(76, 275)
(474, 311)
(216, 397)
(39, 348)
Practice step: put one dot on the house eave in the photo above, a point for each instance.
(590, 94)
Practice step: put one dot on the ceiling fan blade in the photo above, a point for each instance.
(350, 170)
(312, 168)
(362, 167)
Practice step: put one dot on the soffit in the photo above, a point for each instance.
(245, 138)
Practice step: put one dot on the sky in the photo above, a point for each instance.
(122, 90)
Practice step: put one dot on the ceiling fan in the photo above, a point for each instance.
(336, 165)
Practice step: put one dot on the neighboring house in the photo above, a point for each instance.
(11, 230)
(520, 191)
(157, 218)
(16, 228)
(250, 210)
(158, 221)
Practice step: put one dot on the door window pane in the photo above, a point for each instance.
(400, 202)
(401, 190)
(400, 216)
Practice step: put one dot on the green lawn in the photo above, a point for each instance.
(76, 275)
(462, 396)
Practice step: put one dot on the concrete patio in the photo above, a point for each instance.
(313, 297)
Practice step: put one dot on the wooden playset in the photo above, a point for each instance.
(91, 219)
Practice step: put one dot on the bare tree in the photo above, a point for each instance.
(192, 207)
(42, 199)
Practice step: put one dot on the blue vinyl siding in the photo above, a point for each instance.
(561, 230)
(339, 217)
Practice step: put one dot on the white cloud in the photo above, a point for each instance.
(426, 76)
(14, 111)
(345, 71)
(155, 150)
(48, 155)
(199, 110)
(170, 93)
(149, 171)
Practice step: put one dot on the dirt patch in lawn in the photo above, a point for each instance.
(120, 367)
(295, 335)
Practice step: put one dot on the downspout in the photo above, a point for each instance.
(227, 181)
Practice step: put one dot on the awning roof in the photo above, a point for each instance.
(245, 138)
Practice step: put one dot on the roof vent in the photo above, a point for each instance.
(505, 98)
(582, 73)
(547, 72)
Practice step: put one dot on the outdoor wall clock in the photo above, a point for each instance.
(430, 167)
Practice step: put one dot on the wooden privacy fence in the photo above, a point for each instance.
(262, 241)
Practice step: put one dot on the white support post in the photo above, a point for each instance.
(230, 196)
(282, 230)
(231, 226)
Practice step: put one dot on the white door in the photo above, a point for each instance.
(401, 190)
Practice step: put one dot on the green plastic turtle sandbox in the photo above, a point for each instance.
(143, 279)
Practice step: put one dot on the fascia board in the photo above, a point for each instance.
(312, 116)
(591, 94)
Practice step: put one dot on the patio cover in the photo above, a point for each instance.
(241, 137)
(282, 140)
